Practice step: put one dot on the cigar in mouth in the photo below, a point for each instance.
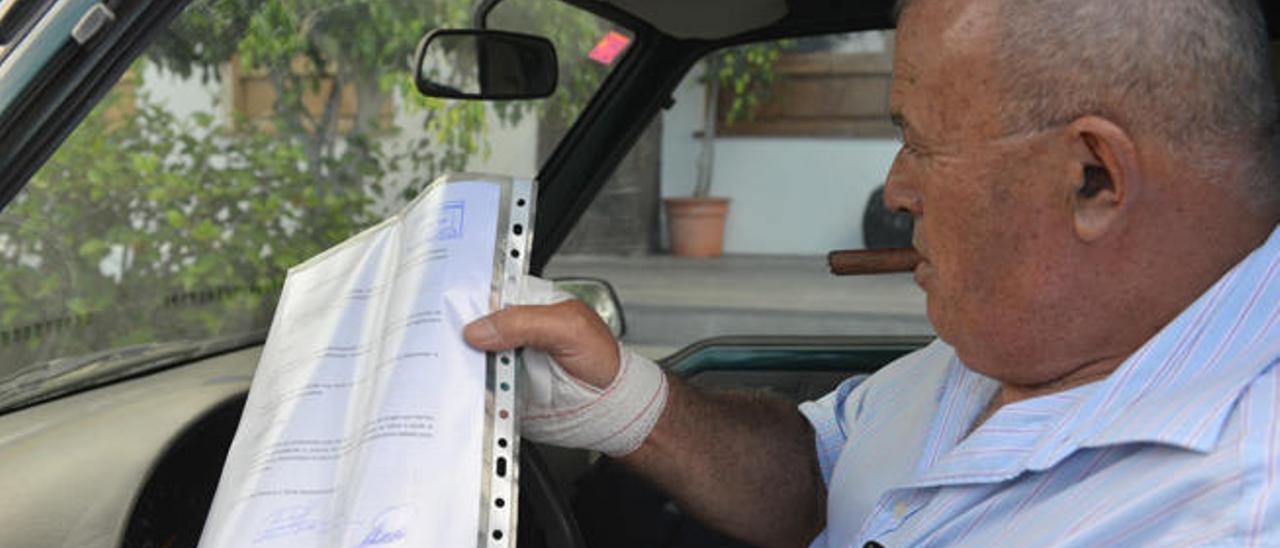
(850, 262)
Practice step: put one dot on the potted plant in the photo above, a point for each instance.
(696, 223)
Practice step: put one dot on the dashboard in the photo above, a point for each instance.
(133, 463)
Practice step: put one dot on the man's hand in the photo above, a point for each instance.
(743, 464)
(568, 331)
(579, 388)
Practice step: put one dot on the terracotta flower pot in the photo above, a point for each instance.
(697, 226)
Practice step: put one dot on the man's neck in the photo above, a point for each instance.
(1085, 374)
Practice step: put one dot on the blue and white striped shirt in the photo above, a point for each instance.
(1179, 446)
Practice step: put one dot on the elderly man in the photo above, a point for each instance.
(1096, 196)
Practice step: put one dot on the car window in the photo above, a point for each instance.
(800, 142)
(248, 137)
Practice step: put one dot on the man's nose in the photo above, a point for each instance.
(902, 188)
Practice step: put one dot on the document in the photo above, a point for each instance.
(367, 417)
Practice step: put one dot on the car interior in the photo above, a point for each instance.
(134, 461)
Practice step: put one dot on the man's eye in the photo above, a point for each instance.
(907, 147)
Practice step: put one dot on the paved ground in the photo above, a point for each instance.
(670, 302)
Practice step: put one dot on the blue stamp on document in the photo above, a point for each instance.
(448, 225)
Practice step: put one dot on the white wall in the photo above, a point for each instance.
(182, 96)
(512, 150)
(788, 195)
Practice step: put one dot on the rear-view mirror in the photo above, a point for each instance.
(485, 64)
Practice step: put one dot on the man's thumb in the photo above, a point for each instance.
(483, 335)
(568, 331)
(550, 328)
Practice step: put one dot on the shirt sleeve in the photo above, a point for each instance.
(826, 414)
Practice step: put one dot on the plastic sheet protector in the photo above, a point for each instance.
(370, 422)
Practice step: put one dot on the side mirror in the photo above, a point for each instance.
(485, 64)
(599, 295)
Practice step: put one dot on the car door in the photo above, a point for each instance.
(163, 167)
(163, 164)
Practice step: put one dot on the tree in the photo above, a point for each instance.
(747, 73)
(149, 226)
(137, 223)
(315, 51)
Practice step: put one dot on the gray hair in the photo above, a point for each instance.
(1196, 74)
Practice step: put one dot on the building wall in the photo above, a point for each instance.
(772, 182)
(511, 150)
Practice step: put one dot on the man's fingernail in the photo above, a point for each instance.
(482, 332)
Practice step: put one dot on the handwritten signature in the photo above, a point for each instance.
(288, 522)
(388, 526)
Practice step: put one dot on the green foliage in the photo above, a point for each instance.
(317, 50)
(747, 73)
(140, 218)
(148, 225)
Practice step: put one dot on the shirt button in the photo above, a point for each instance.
(900, 509)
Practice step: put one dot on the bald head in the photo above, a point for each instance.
(1193, 74)
(1079, 171)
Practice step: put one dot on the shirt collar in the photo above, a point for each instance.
(1178, 389)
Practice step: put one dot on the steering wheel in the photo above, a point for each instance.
(546, 521)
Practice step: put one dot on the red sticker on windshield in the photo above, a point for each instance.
(609, 48)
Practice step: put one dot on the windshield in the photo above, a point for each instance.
(247, 138)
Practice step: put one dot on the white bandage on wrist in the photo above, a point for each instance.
(558, 409)
(614, 420)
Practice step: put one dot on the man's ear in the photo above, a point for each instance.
(1108, 176)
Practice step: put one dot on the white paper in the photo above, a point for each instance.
(364, 423)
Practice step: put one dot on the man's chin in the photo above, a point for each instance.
(923, 274)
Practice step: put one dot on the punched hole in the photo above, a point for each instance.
(518, 229)
(499, 503)
(497, 535)
(502, 467)
(520, 202)
(502, 442)
(515, 253)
